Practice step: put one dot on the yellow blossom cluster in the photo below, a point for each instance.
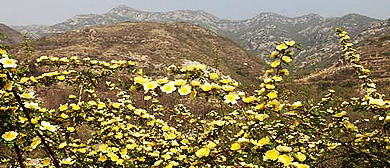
(137, 120)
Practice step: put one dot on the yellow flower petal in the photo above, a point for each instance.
(275, 63)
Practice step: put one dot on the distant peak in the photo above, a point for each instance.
(353, 15)
(312, 16)
(121, 8)
(267, 14)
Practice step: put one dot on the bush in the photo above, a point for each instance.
(111, 121)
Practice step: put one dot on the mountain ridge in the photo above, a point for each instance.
(12, 36)
(257, 34)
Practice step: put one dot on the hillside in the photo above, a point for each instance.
(155, 46)
(13, 36)
(313, 32)
(374, 49)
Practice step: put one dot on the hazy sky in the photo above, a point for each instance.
(24, 12)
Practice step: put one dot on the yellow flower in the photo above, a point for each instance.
(202, 152)
(72, 97)
(63, 107)
(264, 141)
(64, 116)
(35, 120)
(220, 122)
(249, 99)
(62, 145)
(270, 86)
(201, 67)
(54, 59)
(286, 59)
(285, 159)
(166, 156)
(259, 106)
(131, 62)
(285, 71)
(275, 63)
(180, 82)
(70, 129)
(185, 90)
(231, 98)
(271, 155)
(235, 146)
(101, 105)
(195, 83)
(302, 166)
(341, 114)
(42, 110)
(290, 43)
(215, 86)
(46, 162)
(157, 163)
(130, 107)
(378, 102)
(387, 119)
(123, 152)
(102, 158)
(131, 146)
(113, 156)
(92, 103)
(103, 148)
(277, 78)
(172, 68)
(64, 59)
(140, 80)
(296, 104)
(61, 78)
(31, 105)
(274, 54)
(350, 126)
(272, 94)
(116, 105)
(68, 161)
(281, 46)
(82, 150)
(150, 85)
(3, 52)
(10, 135)
(225, 81)
(228, 88)
(119, 135)
(75, 107)
(211, 145)
(139, 111)
(27, 95)
(206, 87)
(261, 117)
(47, 126)
(168, 88)
(147, 98)
(214, 76)
(162, 80)
(284, 148)
(300, 156)
(24, 79)
(172, 135)
(165, 128)
(120, 161)
(8, 63)
(22, 119)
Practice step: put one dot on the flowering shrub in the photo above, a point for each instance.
(256, 129)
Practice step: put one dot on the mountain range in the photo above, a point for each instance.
(258, 34)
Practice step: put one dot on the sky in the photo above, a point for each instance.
(49, 12)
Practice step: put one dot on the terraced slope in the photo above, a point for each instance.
(155, 46)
